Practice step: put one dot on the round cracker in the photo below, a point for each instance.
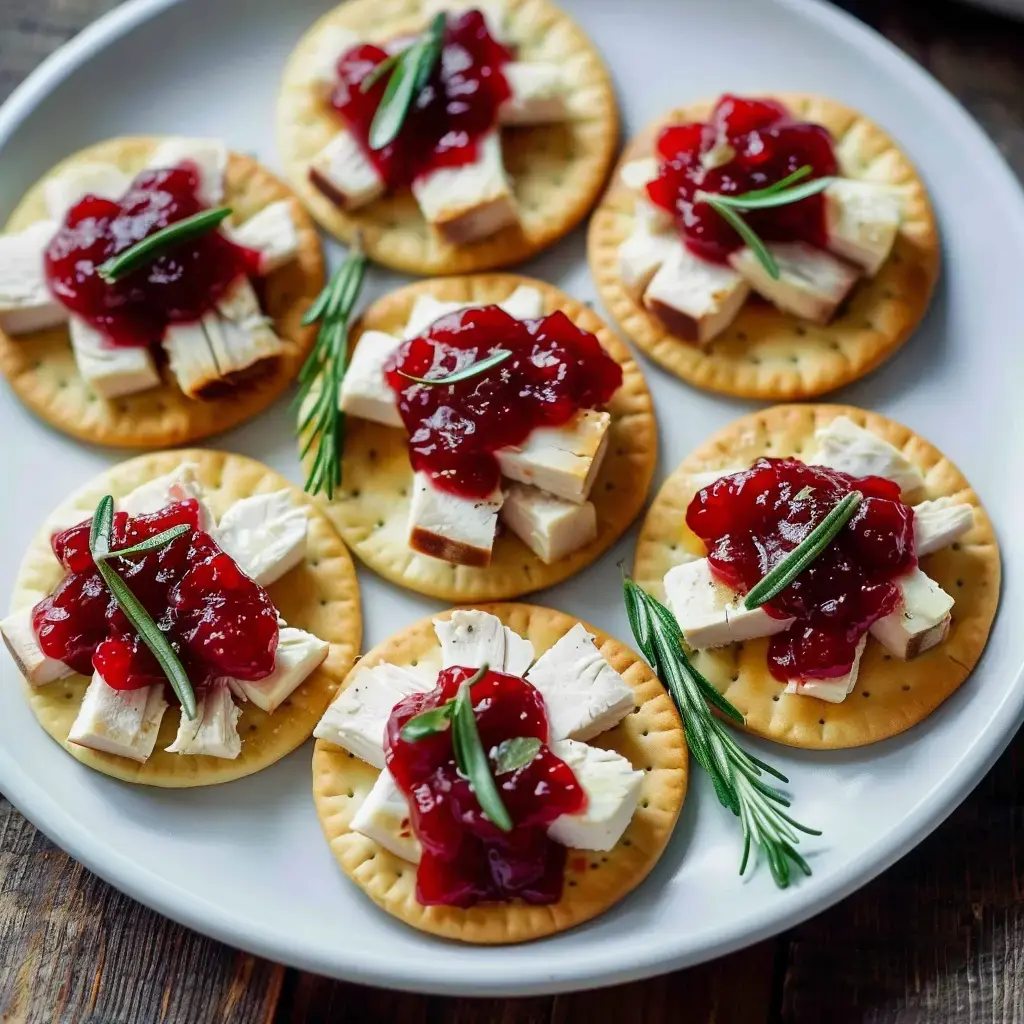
(372, 509)
(651, 739)
(41, 366)
(319, 595)
(891, 695)
(766, 353)
(557, 171)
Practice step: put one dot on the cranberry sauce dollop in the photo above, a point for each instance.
(751, 520)
(217, 620)
(467, 859)
(747, 145)
(555, 369)
(178, 287)
(458, 105)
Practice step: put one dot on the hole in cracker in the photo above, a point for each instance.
(252, 728)
(801, 332)
(955, 545)
(627, 842)
(646, 732)
(351, 793)
(414, 662)
(645, 804)
(572, 885)
(959, 583)
(380, 524)
(609, 486)
(906, 688)
(403, 493)
(594, 866)
(821, 721)
(886, 657)
(372, 454)
(68, 696)
(741, 335)
(776, 697)
(736, 678)
(649, 768)
(866, 693)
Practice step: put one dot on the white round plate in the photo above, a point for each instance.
(246, 862)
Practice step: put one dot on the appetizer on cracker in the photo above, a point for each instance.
(195, 582)
(499, 437)
(468, 776)
(836, 574)
(391, 120)
(151, 291)
(772, 247)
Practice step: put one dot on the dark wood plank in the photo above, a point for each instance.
(74, 949)
(737, 989)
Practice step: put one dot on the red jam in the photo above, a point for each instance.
(751, 520)
(769, 144)
(458, 105)
(178, 287)
(217, 620)
(467, 859)
(556, 369)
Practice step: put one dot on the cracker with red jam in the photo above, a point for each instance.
(258, 599)
(886, 623)
(515, 169)
(202, 339)
(857, 263)
(560, 701)
(502, 483)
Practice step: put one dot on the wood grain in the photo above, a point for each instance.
(939, 939)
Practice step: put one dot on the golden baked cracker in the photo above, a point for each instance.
(890, 695)
(766, 353)
(372, 508)
(41, 366)
(319, 595)
(651, 738)
(557, 171)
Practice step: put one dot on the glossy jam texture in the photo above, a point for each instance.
(466, 859)
(458, 105)
(217, 620)
(178, 287)
(555, 369)
(751, 520)
(746, 145)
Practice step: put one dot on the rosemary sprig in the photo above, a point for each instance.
(429, 723)
(496, 358)
(320, 421)
(152, 544)
(781, 193)
(473, 762)
(736, 775)
(154, 246)
(515, 753)
(142, 623)
(408, 72)
(774, 582)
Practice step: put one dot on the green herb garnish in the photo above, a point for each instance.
(142, 623)
(408, 72)
(472, 760)
(429, 723)
(736, 775)
(158, 541)
(782, 193)
(774, 582)
(320, 421)
(518, 752)
(154, 246)
(496, 358)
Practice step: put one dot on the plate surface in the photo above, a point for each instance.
(246, 862)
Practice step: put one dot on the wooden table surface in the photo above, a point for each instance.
(939, 938)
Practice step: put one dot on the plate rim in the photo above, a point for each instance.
(153, 891)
